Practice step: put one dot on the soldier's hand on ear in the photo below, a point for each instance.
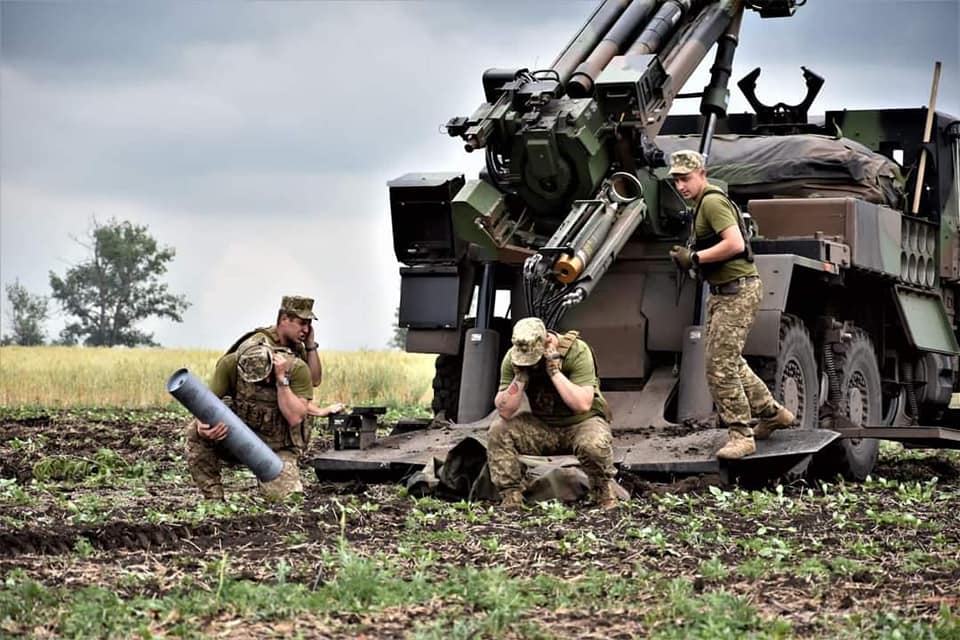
(552, 359)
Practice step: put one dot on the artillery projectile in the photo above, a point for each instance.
(621, 189)
(241, 441)
(627, 222)
(569, 266)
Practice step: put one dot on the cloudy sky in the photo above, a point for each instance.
(257, 138)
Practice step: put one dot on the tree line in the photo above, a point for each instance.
(104, 297)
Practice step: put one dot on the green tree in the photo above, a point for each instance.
(27, 313)
(117, 287)
(399, 339)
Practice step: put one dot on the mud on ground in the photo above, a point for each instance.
(116, 510)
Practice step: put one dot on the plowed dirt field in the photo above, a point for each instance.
(102, 534)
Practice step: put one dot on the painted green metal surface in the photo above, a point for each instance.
(926, 322)
(478, 202)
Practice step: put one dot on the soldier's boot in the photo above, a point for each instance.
(604, 494)
(511, 499)
(738, 446)
(783, 418)
(288, 482)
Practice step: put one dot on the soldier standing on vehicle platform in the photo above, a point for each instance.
(723, 257)
(559, 376)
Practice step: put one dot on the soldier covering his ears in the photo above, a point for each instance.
(568, 413)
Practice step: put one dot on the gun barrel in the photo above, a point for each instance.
(241, 441)
(659, 27)
(696, 41)
(586, 40)
(619, 35)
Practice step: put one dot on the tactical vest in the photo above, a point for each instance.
(256, 402)
(545, 400)
(709, 240)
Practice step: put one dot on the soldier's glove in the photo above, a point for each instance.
(653, 154)
(683, 257)
(553, 361)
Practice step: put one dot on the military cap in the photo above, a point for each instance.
(529, 340)
(684, 161)
(254, 361)
(298, 306)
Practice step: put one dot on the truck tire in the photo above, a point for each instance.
(446, 386)
(792, 377)
(793, 380)
(861, 401)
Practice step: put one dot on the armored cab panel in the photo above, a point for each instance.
(874, 233)
(420, 209)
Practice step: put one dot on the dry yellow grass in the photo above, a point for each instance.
(77, 376)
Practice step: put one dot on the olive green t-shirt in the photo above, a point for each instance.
(224, 380)
(545, 401)
(716, 214)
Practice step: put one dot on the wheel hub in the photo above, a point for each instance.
(856, 401)
(791, 388)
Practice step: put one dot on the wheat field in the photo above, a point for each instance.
(120, 377)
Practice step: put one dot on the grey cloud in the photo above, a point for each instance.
(237, 109)
(230, 128)
(91, 42)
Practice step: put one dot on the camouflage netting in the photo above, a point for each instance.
(797, 166)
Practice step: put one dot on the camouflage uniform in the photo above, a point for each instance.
(243, 380)
(736, 389)
(551, 428)
(736, 292)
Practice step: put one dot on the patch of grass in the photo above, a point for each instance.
(235, 504)
(653, 536)
(812, 567)
(754, 567)
(295, 538)
(82, 547)
(491, 544)
(101, 378)
(900, 625)
(714, 569)
(555, 511)
(13, 494)
(443, 535)
(846, 567)
(28, 445)
(579, 542)
(88, 509)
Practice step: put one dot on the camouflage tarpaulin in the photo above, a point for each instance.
(800, 166)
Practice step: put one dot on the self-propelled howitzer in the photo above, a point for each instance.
(572, 217)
